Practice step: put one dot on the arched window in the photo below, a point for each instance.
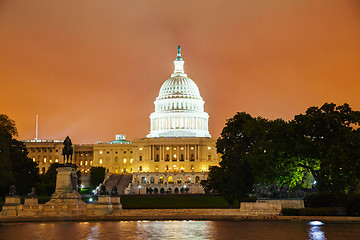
(179, 180)
(167, 157)
(143, 180)
(161, 180)
(192, 157)
(197, 179)
(152, 180)
(170, 179)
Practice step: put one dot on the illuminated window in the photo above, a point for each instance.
(209, 148)
(175, 148)
(100, 161)
(56, 160)
(44, 160)
(124, 160)
(50, 161)
(80, 163)
(167, 148)
(140, 149)
(131, 160)
(86, 162)
(90, 162)
(34, 160)
(192, 148)
(140, 158)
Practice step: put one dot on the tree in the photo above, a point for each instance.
(97, 175)
(331, 134)
(15, 167)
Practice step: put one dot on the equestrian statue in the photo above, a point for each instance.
(67, 150)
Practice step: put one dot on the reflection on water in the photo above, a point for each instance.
(192, 230)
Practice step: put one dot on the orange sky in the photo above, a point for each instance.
(92, 68)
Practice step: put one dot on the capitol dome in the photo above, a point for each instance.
(179, 108)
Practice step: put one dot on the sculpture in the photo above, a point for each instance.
(12, 191)
(178, 53)
(103, 190)
(31, 194)
(273, 191)
(114, 192)
(67, 150)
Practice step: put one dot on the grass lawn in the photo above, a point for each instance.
(173, 201)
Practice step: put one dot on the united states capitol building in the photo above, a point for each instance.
(175, 155)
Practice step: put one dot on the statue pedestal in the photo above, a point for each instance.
(31, 201)
(102, 207)
(11, 206)
(66, 192)
(116, 204)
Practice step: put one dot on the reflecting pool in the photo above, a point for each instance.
(180, 230)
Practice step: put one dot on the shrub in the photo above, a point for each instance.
(352, 204)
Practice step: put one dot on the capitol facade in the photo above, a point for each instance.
(174, 157)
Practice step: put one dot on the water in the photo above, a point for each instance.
(192, 230)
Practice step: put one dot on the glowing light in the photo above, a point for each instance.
(124, 160)
(140, 149)
(209, 148)
(100, 161)
(167, 148)
(90, 199)
(316, 223)
(100, 152)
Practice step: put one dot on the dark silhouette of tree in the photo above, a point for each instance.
(15, 166)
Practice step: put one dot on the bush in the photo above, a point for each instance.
(324, 211)
(318, 200)
(249, 199)
(352, 204)
(290, 212)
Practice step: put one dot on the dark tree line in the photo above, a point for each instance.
(15, 166)
(321, 146)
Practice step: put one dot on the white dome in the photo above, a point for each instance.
(179, 87)
(179, 108)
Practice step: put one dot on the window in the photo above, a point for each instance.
(56, 150)
(140, 158)
(107, 152)
(167, 167)
(140, 168)
(80, 163)
(192, 157)
(174, 157)
(116, 152)
(182, 157)
(167, 157)
(100, 161)
(209, 157)
(157, 158)
(116, 159)
(124, 160)
(131, 160)
(197, 179)
(130, 151)
(140, 149)
(161, 180)
(124, 151)
(179, 180)
(170, 179)
(152, 180)
(192, 167)
(143, 180)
